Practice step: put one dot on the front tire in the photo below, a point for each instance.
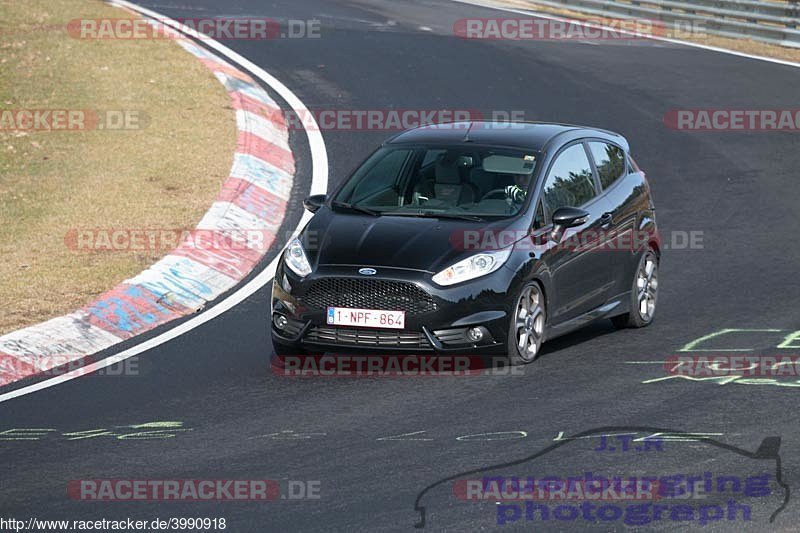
(526, 330)
(644, 294)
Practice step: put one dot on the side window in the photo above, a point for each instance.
(570, 182)
(381, 176)
(610, 161)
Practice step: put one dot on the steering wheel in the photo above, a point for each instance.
(494, 192)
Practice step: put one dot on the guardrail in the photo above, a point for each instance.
(771, 22)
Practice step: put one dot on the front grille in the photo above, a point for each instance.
(369, 294)
(369, 338)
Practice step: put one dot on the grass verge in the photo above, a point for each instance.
(163, 173)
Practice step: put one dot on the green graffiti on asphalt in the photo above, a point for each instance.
(157, 430)
(693, 346)
(705, 344)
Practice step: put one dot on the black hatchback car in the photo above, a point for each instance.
(473, 237)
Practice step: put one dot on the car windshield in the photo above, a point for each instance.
(471, 182)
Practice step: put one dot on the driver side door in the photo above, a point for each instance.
(580, 263)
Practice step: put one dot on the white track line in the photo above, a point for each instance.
(319, 185)
(538, 14)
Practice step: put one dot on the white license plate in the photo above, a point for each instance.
(368, 318)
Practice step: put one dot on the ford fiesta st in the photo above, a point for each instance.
(476, 237)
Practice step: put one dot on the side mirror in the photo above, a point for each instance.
(314, 202)
(567, 217)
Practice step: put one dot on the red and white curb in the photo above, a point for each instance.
(254, 197)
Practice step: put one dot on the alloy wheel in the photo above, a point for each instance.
(529, 322)
(647, 287)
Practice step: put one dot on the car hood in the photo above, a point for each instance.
(428, 244)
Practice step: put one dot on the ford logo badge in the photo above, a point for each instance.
(367, 271)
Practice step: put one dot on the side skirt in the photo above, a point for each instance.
(616, 306)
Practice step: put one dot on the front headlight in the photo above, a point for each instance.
(472, 267)
(296, 260)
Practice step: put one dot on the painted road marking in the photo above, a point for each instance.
(157, 430)
(406, 436)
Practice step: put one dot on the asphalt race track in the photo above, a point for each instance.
(374, 444)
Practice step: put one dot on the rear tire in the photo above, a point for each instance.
(527, 326)
(644, 294)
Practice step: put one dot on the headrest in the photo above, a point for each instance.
(447, 172)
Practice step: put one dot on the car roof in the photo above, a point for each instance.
(529, 135)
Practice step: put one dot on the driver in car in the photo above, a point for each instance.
(517, 192)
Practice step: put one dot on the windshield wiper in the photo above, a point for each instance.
(434, 214)
(353, 207)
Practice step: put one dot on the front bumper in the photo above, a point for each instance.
(437, 318)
